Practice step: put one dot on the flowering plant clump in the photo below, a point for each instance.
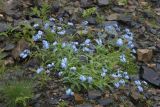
(87, 62)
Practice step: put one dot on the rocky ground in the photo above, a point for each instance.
(142, 17)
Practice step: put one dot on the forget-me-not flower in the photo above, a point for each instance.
(39, 70)
(64, 63)
(25, 53)
(117, 85)
(60, 73)
(45, 44)
(50, 65)
(140, 89)
(70, 23)
(123, 58)
(61, 32)
(137, 82)
(73, 69)
(99, 41)
(119, 42)
(103, 74)
(36, 25)
(82, 78)
(69, 92)
(89, 79)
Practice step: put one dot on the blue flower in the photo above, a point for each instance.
(89, 79)
(55, 43)
(82, 78)
(40, 33)
(61, 32)
(137, 82)
(50, 65)
(127, 37)
(85, 49)
(70, 23)
(69, 92)
(130, 44)
(140, 89)
(64, 63)
(103, 74)
(84, 23)
(144, 82)
(25, 53)
(36, 25)
(122, 81)
(74, 48)
(119, 42)
(46, 26)
(45, 44)
(99, 41)
(73, 69)
(123, 58)
(39, 70)
(52, 19)
(61, 19)
(87, 42)
(117, 85)
(60, 74)
(104, 70)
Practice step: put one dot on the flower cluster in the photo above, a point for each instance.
(24, 54)
(38, 36)
(64, 63)
(121, 76)
(104, 71)
(69, 92)
(84, 78)
(138, 84)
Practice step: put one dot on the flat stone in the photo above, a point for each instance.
(144, 55)
(150, 76)
(105, 102)
(125, 18)
(94, 94)
(112, 17)
(103, 2)
(92, 21)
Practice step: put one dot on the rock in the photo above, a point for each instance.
(34, 62)
(21, 45)
(144, 55)
(112, 17)
(105, 102)
(78, 98)
(94, 94)
(9, 61)
(84, 105)
(86, 3)
(125, 18)
(92, 21)
(3, 27)
(150, 76)
(103, 2)
(151, 65)
(135, 96)
(9, 47)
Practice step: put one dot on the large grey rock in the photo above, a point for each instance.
(150, 76)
